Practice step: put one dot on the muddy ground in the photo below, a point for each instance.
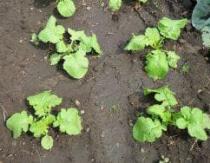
(110, 94)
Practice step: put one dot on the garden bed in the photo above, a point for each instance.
(112, 91)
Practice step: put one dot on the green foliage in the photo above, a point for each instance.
(76, 64)
(147, 130)
(47, 142)
(52, 33)
(43, 102)
(18, 123)
(172, 58)
(201, 20)
(137, 43)
(66, 8)
(69, 121)
(115, 5)
(158, 61)
(156, 64)
(40, 127)
(163, 94)
(74, 53)
(195, 121)
(163, 114)
(171, 29)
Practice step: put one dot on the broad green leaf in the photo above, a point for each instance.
(43, 102)
(173, 58)
(164, 95)
(156, 65)
(55, 58)
(137, 43)
(66, 8)
(51, 33)
(115, 5)
(47, 142)
(159, 111)
(69, 121)
(61, 47)
(194, 120)
(147, 130)
(19, 123)
(76, 64)
(153, 37)
(40, 127)
(171, 29)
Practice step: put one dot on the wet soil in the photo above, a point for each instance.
(110, 94)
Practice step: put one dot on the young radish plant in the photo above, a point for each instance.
(162, 114)
(67, 120)
(158, 61)
(72, 54)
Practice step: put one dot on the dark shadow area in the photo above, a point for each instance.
(43, 3)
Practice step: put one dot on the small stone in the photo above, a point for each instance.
(142, 150)
(88, 8)
(88, 129)
(92, 160)
(82, 112)
(20, 41)
(77, 103)
(31, 8)
(103, 134)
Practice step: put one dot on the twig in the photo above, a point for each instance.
(193, 145)
(4, 112)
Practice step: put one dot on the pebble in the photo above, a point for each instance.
(77, 103)
(88, 8)
(102, 134)
(88, 129)
(82, 112)
(142, 150)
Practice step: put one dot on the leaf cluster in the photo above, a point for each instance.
(73, 55)
(67, 120)
(162, 114)
(158, 61)
(66, 8)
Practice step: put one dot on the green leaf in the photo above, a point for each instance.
(153, 38)
(61, 47)
(147, 130)
(156, 65)
(19, 123)
(163, 94)
(43, 102)
(194, 120)
(160, 111)
(69, 121)
(173, 58)
(51, 33)
(115, 5)
(137, 43)
(40, 127)
(47, 142)
(55, 58)
(171, 29)
(76, 64)
(66, 8)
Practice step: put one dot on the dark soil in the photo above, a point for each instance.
(110, 94)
